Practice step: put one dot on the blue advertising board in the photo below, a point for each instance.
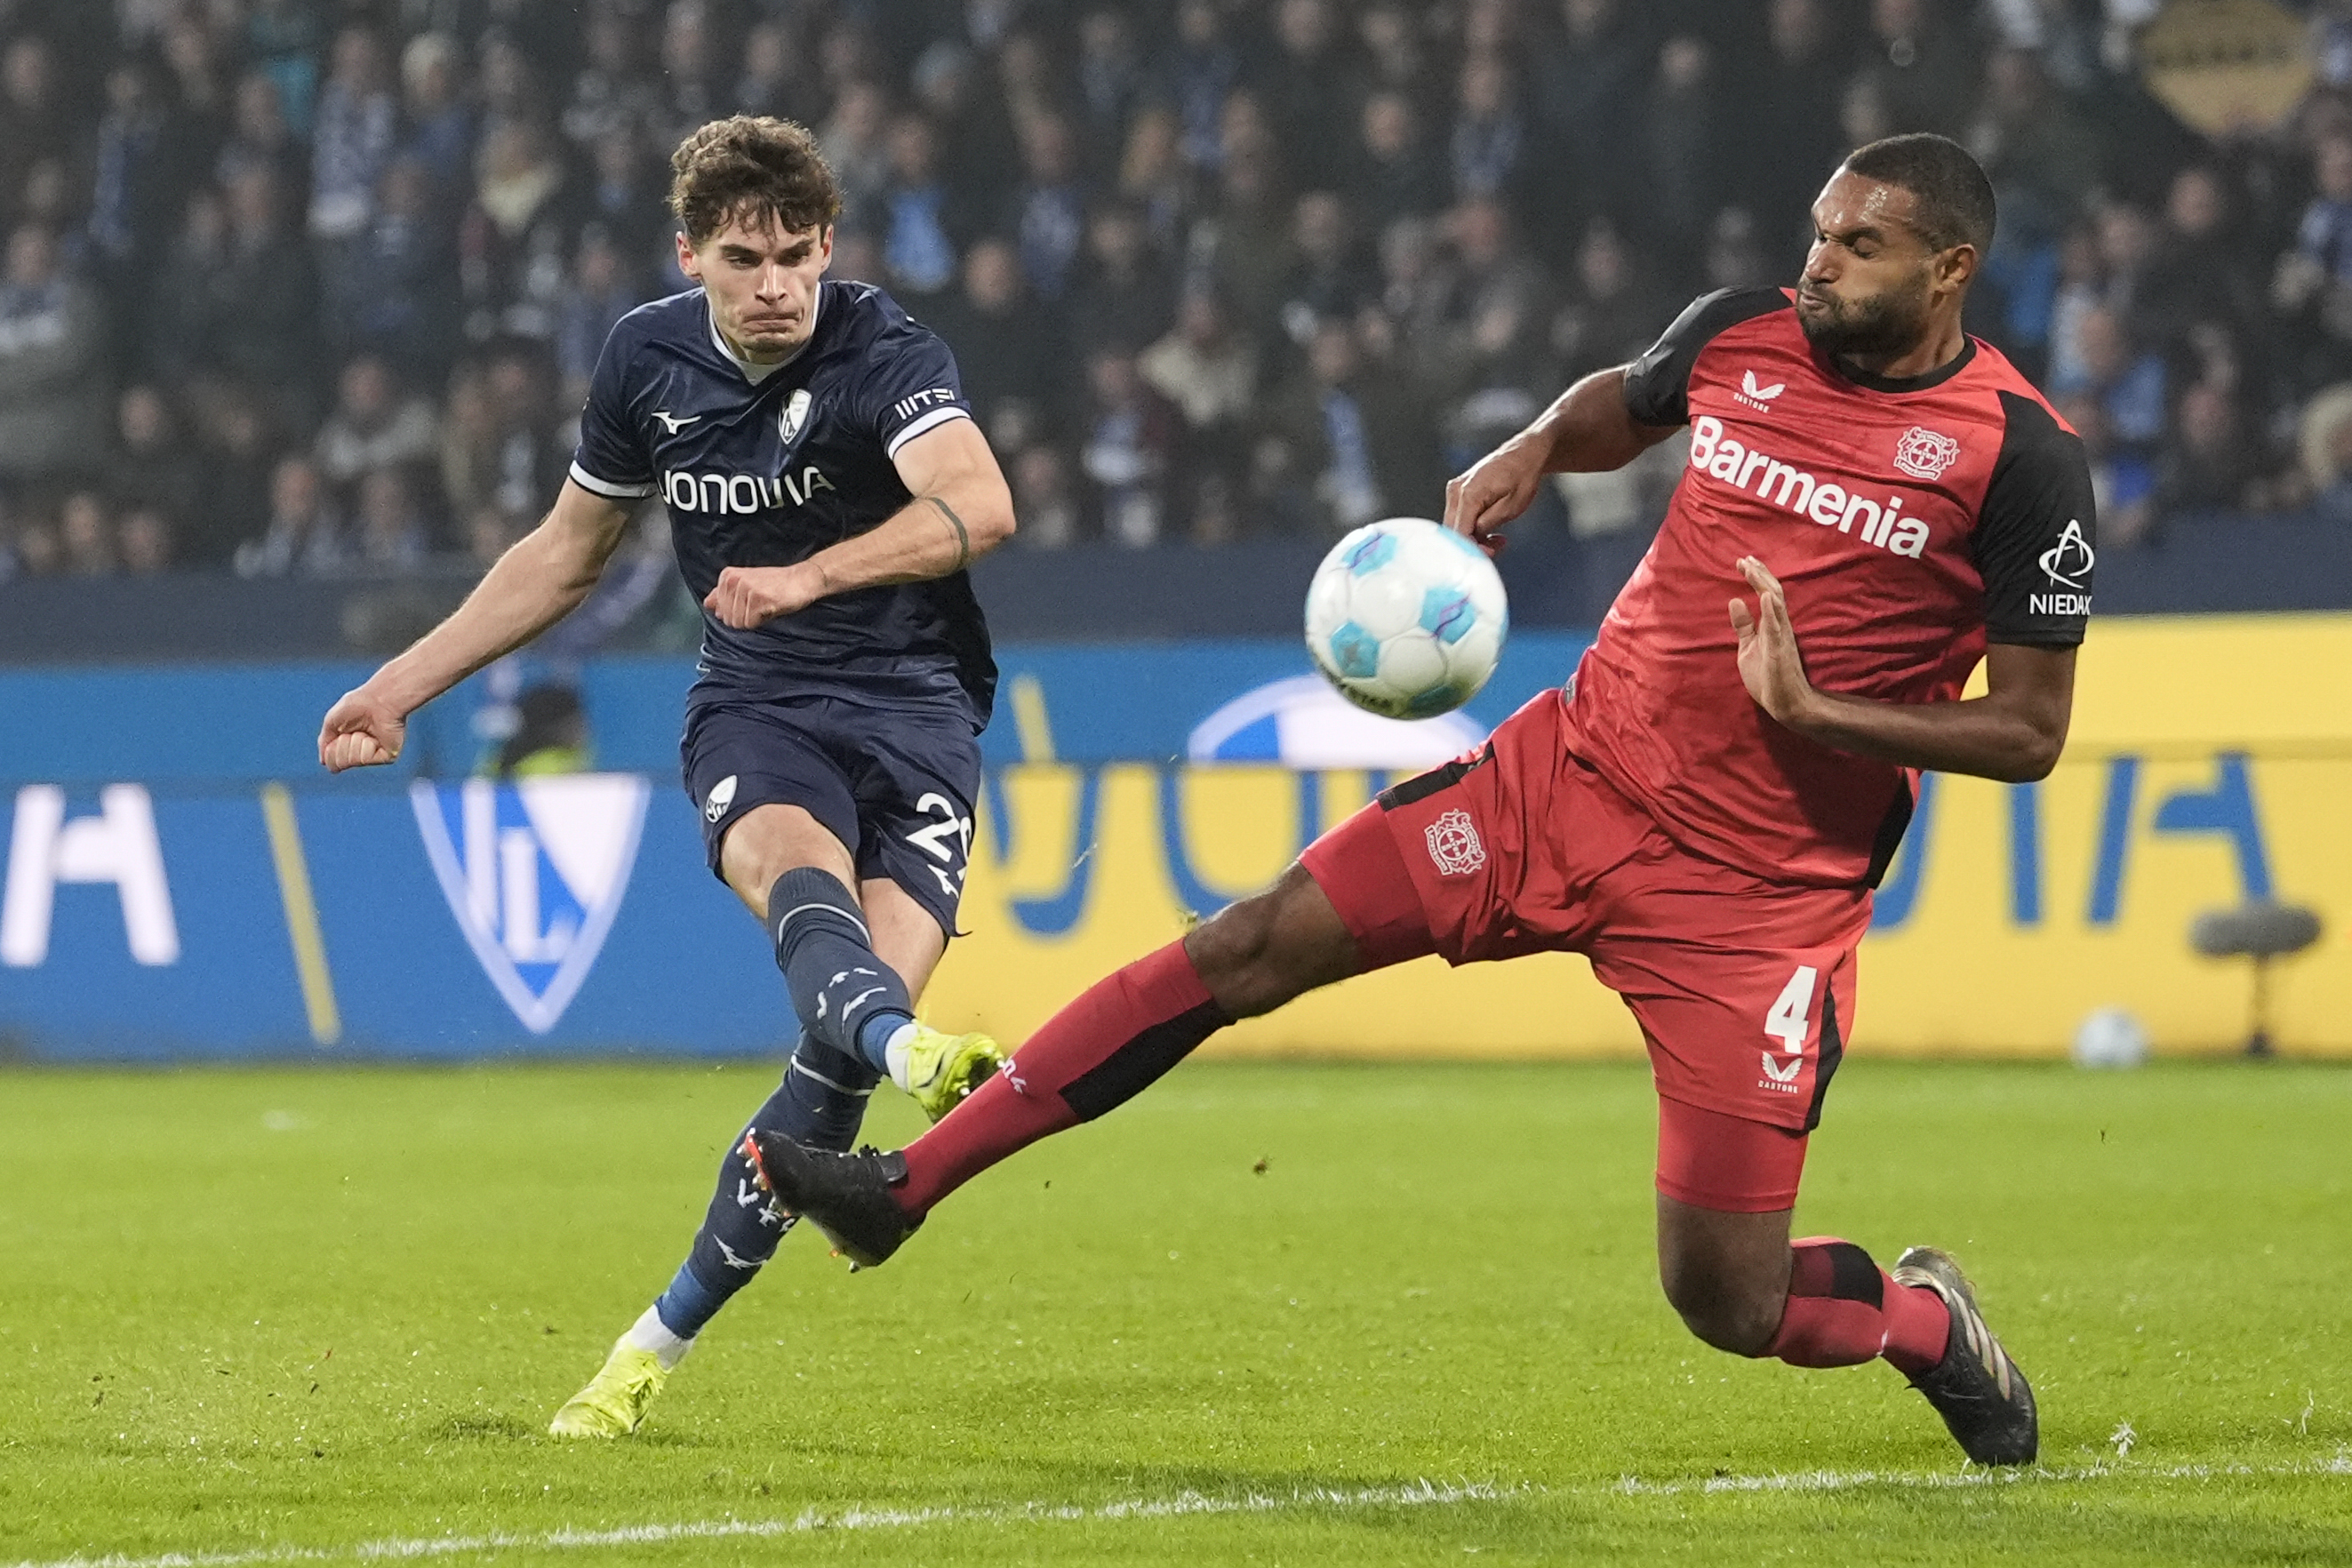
(433, 920)
(207, 725)
(181, 879)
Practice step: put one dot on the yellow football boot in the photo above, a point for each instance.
(943, 1070)
(615, 1402)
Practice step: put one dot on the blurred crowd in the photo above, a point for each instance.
(314, 287)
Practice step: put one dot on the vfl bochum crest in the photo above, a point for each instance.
(534, 872)
(796, 415)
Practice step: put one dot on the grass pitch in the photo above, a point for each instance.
(1300, 1314)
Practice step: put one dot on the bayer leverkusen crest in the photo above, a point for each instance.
(534, 872)
(1453, 846)
(1925, 453)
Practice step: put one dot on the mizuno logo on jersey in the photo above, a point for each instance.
(907, 408)
(675, 423)
(1780, 484)
(740, 495)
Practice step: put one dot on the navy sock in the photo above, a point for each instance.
(873, 1036)
(687, 1304)
(847, 997)
(821, 1101)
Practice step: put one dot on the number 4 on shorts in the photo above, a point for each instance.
(1788, 1020)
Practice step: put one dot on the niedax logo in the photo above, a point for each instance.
(1925, 453)
(1758, 397)
(534, 872)
(2068, 563)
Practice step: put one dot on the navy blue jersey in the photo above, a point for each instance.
(766, 464)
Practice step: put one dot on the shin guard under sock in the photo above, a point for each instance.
(838, 987)
(1845, 1309)
(820, 1102)
(1095, 1053)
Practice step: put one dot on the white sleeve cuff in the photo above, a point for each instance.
(935, 418)
(608, 489)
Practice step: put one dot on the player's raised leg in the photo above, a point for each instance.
(1740, 1284)
(797, 875)
(1124, 1034)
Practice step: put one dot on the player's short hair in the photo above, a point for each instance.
(1951, 199)
(752, 168)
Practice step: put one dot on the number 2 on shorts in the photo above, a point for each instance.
(1786, 1021)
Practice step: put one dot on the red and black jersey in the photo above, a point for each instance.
(1910, 521)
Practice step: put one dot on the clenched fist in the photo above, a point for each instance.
(362, 730)
(747, 596)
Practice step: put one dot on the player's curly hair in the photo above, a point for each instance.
(755, 168)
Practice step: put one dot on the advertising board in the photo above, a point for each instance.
(221, 898)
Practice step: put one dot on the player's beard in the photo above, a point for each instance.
(1880, 325)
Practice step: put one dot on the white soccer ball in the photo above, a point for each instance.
(1406, 617)
(2110, 1037)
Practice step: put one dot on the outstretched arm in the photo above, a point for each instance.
(1605, 421)
(962, 508)
(538, 581)
(2014, 732)
(1587, 429)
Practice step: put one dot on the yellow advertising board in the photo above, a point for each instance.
(2210, 761)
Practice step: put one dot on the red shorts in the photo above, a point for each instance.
(1744, 988)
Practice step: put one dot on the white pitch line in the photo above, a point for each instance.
(1848, 1481)
(1420, 1494)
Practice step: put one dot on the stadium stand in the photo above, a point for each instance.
(308, 290)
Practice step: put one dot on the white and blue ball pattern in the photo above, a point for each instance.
(1406, 618)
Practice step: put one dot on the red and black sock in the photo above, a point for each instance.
(1098, 1053)
(1845, 1309)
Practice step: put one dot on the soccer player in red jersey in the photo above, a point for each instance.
(1874, 502)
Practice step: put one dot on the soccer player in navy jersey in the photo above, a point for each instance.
(826, 489)
(1874, 504)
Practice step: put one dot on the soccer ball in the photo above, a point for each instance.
(1406, 617)
(2110, 1037)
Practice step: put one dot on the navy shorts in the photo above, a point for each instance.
(896, 785)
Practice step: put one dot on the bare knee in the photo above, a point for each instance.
(1238, 953)
(1727, 1311)
(1258, 953)
(1726, 1274)
(766, 841)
